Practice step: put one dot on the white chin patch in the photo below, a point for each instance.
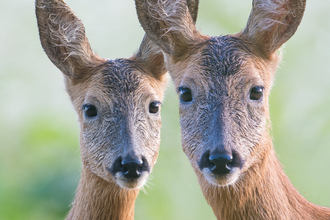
(221, 180)
(128, 183)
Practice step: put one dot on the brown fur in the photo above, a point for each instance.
(122, 91)
(220, 73)
(99, 199)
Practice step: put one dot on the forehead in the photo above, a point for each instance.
(223, 56)
(119, 81)
(224, 65)
(121, 76)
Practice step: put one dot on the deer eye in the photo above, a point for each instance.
(185, 94)
(154, 107)
(90, 111)
(256, 93)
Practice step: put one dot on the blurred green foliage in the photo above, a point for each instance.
(39, 138)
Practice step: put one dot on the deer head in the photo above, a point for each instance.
(117, 101)
(223, 82)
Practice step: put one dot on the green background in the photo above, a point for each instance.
(39, 150)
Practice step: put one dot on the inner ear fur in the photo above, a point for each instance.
(62, 36)
(169, 24)
(272, 23)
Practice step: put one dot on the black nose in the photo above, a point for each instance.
(130, 166)
(221, 162)
(216, 163)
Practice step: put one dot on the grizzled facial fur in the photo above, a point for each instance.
(118, 101)
(121, 96)
(221, 116)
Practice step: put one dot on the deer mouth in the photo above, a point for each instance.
(221, 179)
(131, 182)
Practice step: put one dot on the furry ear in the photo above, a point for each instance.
(151, 56)
(193, 9)
(272, 23)
(169, 24)
(62, 35)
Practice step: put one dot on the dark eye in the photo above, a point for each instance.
(154, 107)
(90, 111)
(185, 94)
(256, 93)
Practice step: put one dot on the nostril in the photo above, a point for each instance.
(124, 170)
(116, 166)
(205, 161)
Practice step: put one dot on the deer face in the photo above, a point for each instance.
(223, 108)
(119, 114)
(118, 101)
(223, 82)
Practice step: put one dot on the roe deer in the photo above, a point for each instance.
(118, 103)
(223, 84)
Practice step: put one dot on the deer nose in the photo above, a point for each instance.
(216, 163)
(221, 162)
(130, 167)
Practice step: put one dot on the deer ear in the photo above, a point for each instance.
(169, 25)
(151, 57)
(273, 22)
(193, 9)
(62, 35)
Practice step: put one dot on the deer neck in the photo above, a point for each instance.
(98, 199)
(263, 192)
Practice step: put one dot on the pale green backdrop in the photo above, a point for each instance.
(39, 151)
